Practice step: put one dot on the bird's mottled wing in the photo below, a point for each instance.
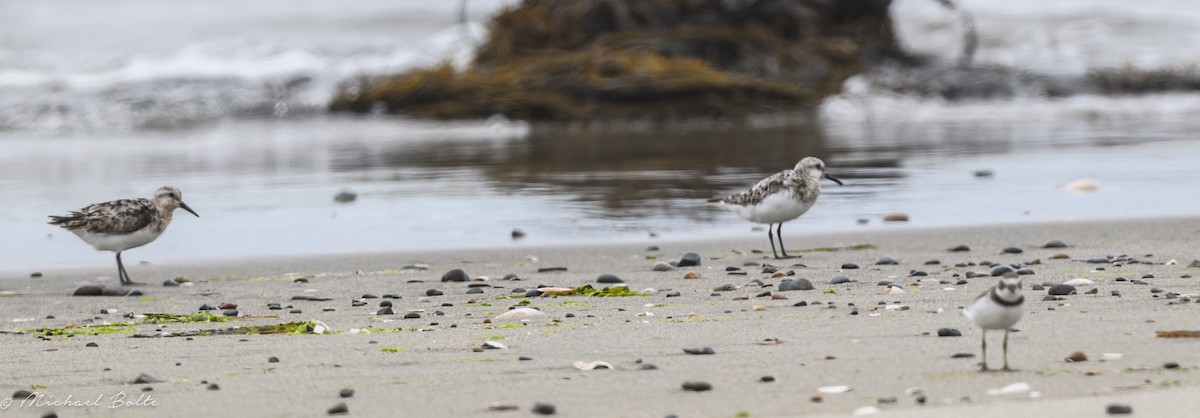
(115, 217)
(787, 179)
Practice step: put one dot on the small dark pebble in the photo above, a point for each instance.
(227, 306)
(1001, 269)
(974, 274)
(144, 379)
(962, 355)
(849, 266)
(1119, 409)
(1012, 250)
(918, 273)
(920, 399)
(300, 280)
(948, 332)
(455, 275)
(609, 278)
(1092, 292)
(92, 344)
(1061, 290)
(543, 409)
(550, 269)
(1024, 271)
(412, 315)
(766, 379)
(798, 284)
(346, 393)
(648, 366)
(357, 303)
(887, 400)
(688, 260)
(800, 304)
(1054, 243)
(959, 248)
(933, 262)
(518, 234)
(1148, 276)
(960, 282)
(697, 386)
(839, 280)
(433, 292)
(700, 351)
(886, 261)
(170, 283)
(524, 358)
(213, 386)
(272, 359)
(339, 409)
(474, 290)
(673, 294)
(1036, 287)
(88, 290)
(1170, 365)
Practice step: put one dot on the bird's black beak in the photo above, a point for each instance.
(185, 207)
(835, 180)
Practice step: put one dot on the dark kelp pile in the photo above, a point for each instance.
(574, 60)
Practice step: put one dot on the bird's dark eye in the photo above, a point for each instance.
(172, 195)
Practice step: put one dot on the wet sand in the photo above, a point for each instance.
(426, 367)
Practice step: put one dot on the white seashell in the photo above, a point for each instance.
(320, 327)
(556, 291)
(1082, 186)
(593, 365)
(833, 389)
(893, 307)
(520, 313)
(495, 345)
(23, 320)
(893, 290)
(1172, 262)
(948, 289)
(1080, 282)
(1111, 356)
(1015, 388)
(649, 291)
(866, 410)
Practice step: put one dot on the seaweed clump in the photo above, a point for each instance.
(637, 59)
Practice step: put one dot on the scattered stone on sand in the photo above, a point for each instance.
(386, 310)
(700, 351)
(503, 406)
(662, 266)
(551, 269)
(474, 291)
(609, 278)
(1194, 264)
(959, 248)
(849, 266)
(984, 173)
(1000, 269)
(346, 393)
(1025, 271)
(143, 378)
(767, 379)
(886, 261)
(213, 386)
(1012, 250)
(688, 260)
(1119, 409)
(1058, 256)
(456, 275)
(1061, 290)
(230, 312)
(862, 221)
(691, 275)
(815, 398)
(673, 294)
(518, 234)
(933, 262)
(339, 409)
(1036, 287)
(962, 355)
(697, 386)
(948, 332)
(543, 409)
(648, 366)
(170, 283)
(896, 217)
(345, 196)
(798, 284)
(227, 305)
(89, 290)
(412, 315)
(433, 292)
(1054, 243)
(1076, 357)
(91, 344)
(1170, 365)
(839, 280)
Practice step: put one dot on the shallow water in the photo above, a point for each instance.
(226, 104)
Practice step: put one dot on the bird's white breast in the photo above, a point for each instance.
(781, 206)
(988, 314)
(118, 242)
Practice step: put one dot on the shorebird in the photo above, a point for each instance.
(779, 198)
(123, 224)
(998, 308)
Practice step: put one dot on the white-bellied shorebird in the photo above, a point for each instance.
(779, 198)
(123, 224)
(998, 308)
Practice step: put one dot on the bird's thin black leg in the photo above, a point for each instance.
(1006, 352)
(771, 236)
(125, 280)
(984, 353)
(779, 233)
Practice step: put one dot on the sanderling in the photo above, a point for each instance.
(998, 308)
(123, 224)
(779, 198)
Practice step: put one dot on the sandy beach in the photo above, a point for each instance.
(884, 347)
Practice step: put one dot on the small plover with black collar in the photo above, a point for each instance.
(998, 308)
(779, 198)
(123, 224)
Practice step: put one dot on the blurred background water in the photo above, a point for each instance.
(225, 99)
